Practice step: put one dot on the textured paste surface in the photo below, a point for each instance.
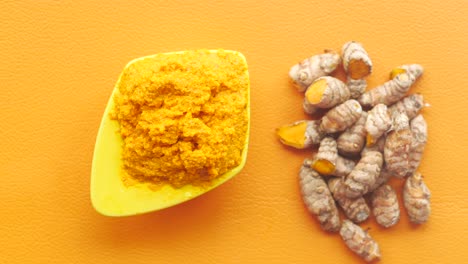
(183, 116)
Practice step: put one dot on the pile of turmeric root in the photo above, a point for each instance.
(363, 138)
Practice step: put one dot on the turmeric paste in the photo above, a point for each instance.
(183, 116)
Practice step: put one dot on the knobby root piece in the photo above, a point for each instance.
(325, 160)
(397, 145)
(325, 92)
(389, 92)
(378, 122)
(341, 117)
(385, 206)
(351, 141)
(419, 131)
(416, 197)
(355, 209)
(308, 108)
(383, 178)
(364, 175)
(359, 241)
(301, 134)
(378, 146)
(305, 72)
(343, 167)
(317, 198)
(410, 105)
(414, 69)
(356, 87)
(356, 61)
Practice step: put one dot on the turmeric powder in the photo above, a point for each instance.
(183, 116)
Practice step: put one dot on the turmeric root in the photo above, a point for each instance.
(343, 167)
(355, 209)
(357, 65)
(305, 72)
(364, 175)
(325, 92)
(341, 117)
(356, 61)
(359, 241)
(325, 160)
(419, 131)
(378, 146)
(317, 198)
(385, 206)
(410, 105)
(301, 134)
(383, 178)
(378, 122)
(308, 108)
(416, 197)
(356, 87)
(389, 92)
(382, 126)
(397, 146)
(414, 69)
(351, 141)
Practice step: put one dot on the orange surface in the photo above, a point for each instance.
(61, 60)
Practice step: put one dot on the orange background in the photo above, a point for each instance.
(61, 59)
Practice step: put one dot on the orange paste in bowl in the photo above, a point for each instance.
(183, 116)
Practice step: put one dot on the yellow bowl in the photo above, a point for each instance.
(111, 197)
